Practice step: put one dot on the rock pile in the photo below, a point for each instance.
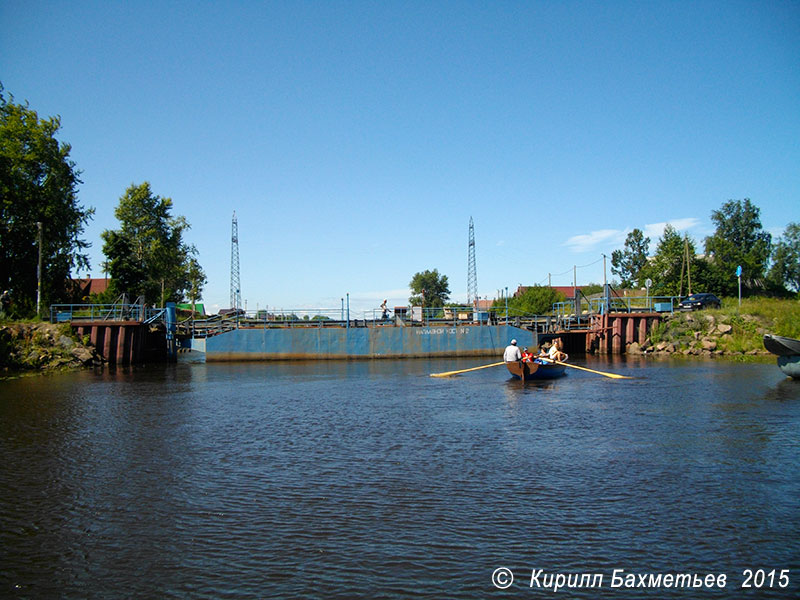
(43, 346)
(693, 334)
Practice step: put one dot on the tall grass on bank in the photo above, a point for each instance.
(778, 316)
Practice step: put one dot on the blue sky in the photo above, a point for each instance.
(354, 140)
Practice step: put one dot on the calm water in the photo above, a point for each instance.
(371, 479)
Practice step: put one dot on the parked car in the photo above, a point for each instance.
(699, 301)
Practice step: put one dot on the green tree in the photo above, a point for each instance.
(629, 262)
(668, 269)
(147, 256)
(196, 279)
(591, 289)
(785, 270)
(429, 289)
(739, 240)
(535, 300)
(38, 183)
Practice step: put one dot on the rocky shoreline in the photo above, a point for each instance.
(704, 334)
(43, 347)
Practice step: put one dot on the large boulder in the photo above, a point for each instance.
(708, 344)
(83, 354)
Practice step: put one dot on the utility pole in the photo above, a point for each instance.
(39, 272)
(688, 262)
(575, 299)
(574, 280)
(606, 291)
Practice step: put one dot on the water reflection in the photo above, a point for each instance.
(327, 478)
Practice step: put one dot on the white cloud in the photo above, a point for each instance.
(589, 241)
(655, 230)
(606, 238)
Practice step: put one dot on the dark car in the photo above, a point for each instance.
(699, 301)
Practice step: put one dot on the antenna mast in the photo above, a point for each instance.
(236, 292)
(472, 271)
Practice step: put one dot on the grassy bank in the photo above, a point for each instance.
(730, 331)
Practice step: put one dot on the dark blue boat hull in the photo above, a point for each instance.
(533, 370)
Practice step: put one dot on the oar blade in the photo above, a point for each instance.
(603, 373)
(616, 376)
(450, 373)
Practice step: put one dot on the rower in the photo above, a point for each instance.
(512, 353)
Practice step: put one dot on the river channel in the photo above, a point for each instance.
(370, 479)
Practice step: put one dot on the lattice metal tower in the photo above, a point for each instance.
(472, 271)
(236, 292)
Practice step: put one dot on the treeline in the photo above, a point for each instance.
(41, 219)
(767, 267)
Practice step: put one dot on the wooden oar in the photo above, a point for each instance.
(448, 373)
(611, 375)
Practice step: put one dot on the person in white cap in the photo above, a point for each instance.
(512, 353)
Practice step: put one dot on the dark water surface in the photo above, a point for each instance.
(371, 479)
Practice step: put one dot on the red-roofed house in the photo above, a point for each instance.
(88, 286)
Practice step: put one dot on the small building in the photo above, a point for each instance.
(82, 289)
(199, 309)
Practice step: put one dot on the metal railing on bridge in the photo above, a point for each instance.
(449, 316)
(568, 318)
(62, 313)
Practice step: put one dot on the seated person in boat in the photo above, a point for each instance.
(526, 355)
(555, 352)
(542, 353)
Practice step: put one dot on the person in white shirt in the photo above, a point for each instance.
(554, 353)
(512, 353)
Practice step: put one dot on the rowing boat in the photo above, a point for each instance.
(788, 352)
(782, 346)
(534, 370)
